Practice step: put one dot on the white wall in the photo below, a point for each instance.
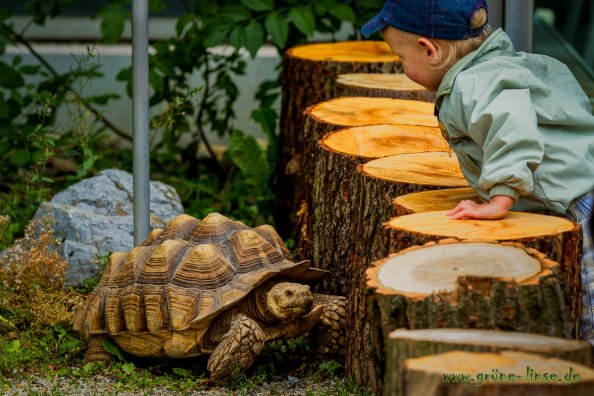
(114, 58)
(63, 38)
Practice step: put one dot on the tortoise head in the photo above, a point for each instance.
(288, 301)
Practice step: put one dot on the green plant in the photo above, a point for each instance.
(34, 333)
(238, 182)
(30, 94)
(113, 350)
(345, 387)
(233, 182)
(50, 350)
(330, 367)
(31, 282)
(243, 381)
(4, 222)
(283, 350)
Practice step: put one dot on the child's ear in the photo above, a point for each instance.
(432, 50)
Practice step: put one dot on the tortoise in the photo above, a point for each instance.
(214, 287)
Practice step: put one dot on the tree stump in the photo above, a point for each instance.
(463, 284)
(335, 202)
(326, 117)
(379, 181)
(386, 85)
(384, 179)
(309, 74)
(507, 373)
(427, 201)
(558, 238)
(405, 344)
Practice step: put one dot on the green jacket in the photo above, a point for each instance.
(520, 125)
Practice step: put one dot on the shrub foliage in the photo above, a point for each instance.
(38, 157)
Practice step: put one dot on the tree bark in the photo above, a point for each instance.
(326, 117)
(309, 73)
(335, 222)
(464, 284)
(384, 179)
(426, 375)
(378, 182)
(558, 238)
(386, 85)
(427, 201)
(405, 344)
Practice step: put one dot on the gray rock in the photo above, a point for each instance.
(94, 218)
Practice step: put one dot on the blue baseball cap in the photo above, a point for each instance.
(442, 19)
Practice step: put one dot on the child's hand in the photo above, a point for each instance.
(497, 208)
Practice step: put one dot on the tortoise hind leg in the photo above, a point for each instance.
(238, 348)
(95, 351)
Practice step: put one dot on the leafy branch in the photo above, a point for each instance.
(19, 38)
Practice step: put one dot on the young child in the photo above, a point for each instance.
(519, 123)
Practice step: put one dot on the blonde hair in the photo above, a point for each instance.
(454, 50)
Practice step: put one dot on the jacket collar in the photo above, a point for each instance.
(496, 44)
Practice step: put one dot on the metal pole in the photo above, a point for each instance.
(518, 23)
(140, 103)
(496, 11)
(515, 16)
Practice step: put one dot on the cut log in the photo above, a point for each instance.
(385, 178)
(335, 200)
(405, 344)
(383, 140)
(309, 74)
(464, 284)
(379, 181)
(385, 85)
(358, 111)
(427, 201)
(330, 116)
(507, 373)
(558, 238)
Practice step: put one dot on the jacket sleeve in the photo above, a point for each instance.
(504, 125)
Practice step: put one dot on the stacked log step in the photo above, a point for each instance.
(378, 182)
(329, 116)
(468, 285)
(463, 284)
(405, 344)
(433, 200)
(336, 202)
(388, 85)
(388, 177)
(559, 238)
(309, 74)
(507, 373)
(520, 273)
(556, 237)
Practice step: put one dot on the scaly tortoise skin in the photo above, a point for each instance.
(213, 287)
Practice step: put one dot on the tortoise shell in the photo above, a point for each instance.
(183, 276)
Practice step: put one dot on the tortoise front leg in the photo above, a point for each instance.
(329, 334)
(238, 348)
(296, 328)
(95, 351)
